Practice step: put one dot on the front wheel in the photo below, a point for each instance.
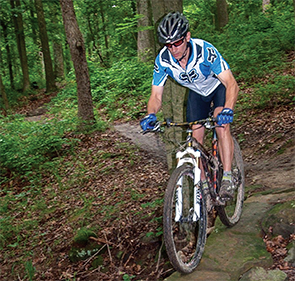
(230, 213)
(184, 231)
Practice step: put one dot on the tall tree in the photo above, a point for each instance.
(174, 94)
(77, 50)
(4, 26)
(102, 15)
(58, 60)
(222, 14)
(20, 39)
(3, 94)
(145, 37)
(50, 79)
(59, 71)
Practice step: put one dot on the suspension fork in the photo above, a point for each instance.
(193, 159)
(197, 191)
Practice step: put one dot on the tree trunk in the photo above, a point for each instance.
(104, 29)
(3, 94)
(174, 95)
(59, 71)
(77, 50)
(31, 6)
(21, 45)
(8, 53)
(222, 15)
(145, 36)
(50, 80)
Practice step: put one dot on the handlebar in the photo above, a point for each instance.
(208, 123)
(203, 122)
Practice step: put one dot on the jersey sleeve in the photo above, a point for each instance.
(214, 59)
(160, 74)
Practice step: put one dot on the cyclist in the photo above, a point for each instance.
(197, 65)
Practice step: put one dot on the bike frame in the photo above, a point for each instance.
(192, 155)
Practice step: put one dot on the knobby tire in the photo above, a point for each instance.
(185, 240)
(230, 214)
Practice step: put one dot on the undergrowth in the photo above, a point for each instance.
(38, 184)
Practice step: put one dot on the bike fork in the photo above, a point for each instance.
(197, 192)
(178, 203)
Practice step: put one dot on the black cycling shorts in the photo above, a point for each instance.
(198, 107)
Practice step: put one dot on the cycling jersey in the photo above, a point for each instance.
(204, 63)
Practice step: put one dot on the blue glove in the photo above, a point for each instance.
(225, 116)
(148, 122)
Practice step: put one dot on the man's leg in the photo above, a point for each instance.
(198, 134)
(226, 149)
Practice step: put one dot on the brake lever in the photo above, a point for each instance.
(157, 128)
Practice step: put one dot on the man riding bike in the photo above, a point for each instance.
(197, 65)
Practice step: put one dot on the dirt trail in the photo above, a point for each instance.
(230, 252)
(267, 172)
(269, 180)
(149, 142)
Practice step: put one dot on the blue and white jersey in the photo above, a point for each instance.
(204, 63)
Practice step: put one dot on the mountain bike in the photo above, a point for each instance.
(185, 202)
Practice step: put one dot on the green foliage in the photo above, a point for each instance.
(30, 269)
(83, 235)
(103, 28)
(122, 89)
(201, 16)
(65, 107)
(8, 232)
(278, 90)
(127, 277)
(13, 232)
(253, 42)
(26, 145)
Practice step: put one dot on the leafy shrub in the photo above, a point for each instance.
(122, 89)
(275, 90)
(259, 40)
(27, 145)
(278, 90)
(253, 42)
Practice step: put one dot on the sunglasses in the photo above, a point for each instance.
(175, 44)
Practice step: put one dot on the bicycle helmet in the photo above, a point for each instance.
(172, 27)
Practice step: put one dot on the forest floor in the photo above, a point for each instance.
(126, 201)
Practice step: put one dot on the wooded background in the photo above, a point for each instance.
(42, 40)
(99, 43)
(78, 67)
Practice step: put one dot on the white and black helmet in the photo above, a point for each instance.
(172, 27)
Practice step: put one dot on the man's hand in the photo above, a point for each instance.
(148, 122)
(225, 116)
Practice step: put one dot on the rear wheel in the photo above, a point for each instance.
(230, 214)
(184, 237)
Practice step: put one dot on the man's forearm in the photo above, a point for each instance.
(231, 96)
(155, 101)
(154, 105)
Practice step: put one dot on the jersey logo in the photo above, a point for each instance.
(189, 77)
(211, 55)
(156, 68)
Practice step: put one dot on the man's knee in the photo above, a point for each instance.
(224, 131)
